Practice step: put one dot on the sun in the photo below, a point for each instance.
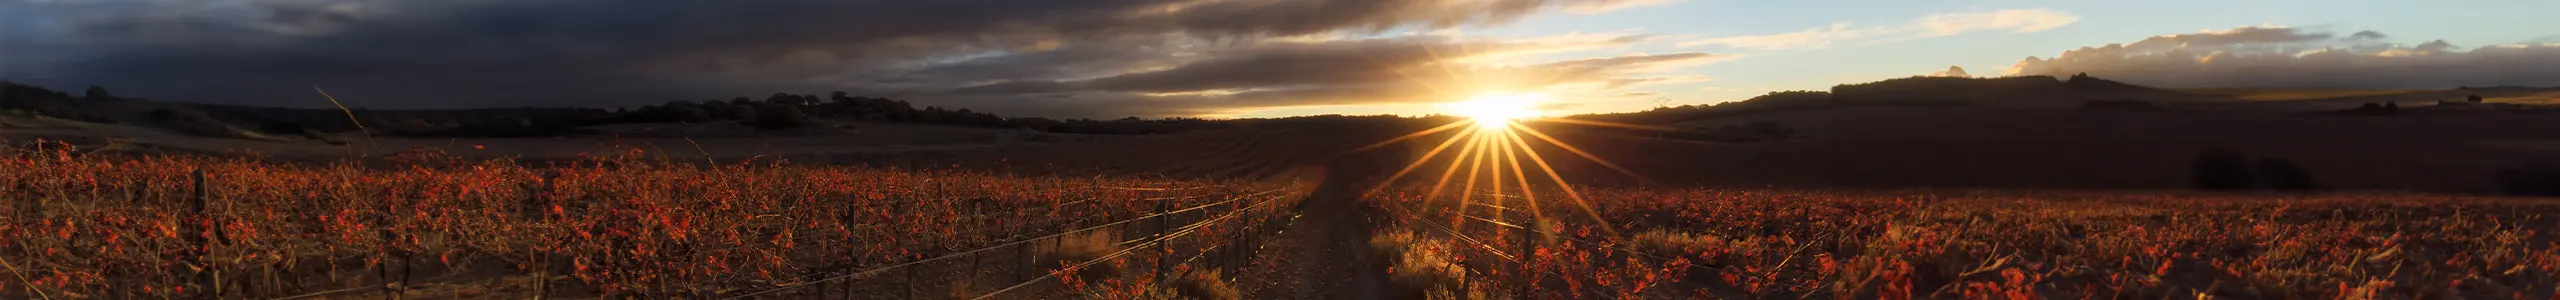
(1497, 109)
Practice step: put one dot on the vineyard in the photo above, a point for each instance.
(1762, 244)
(622, 224)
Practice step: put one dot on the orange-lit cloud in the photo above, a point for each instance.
(1938, 25)
(1064, 58)
(2266, 56)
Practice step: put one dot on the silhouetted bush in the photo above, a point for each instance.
(2218, 169)
(687, 114)
(779, 116)
(2539, 178)
(738, 112)
(2474, 99)
(96, 93)
(2284, 175)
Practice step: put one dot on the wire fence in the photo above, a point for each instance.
(989, 235)
(1251, 214)
(1247, 219)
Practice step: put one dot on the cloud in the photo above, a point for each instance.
(1344, 72)
(1598, 7)
(1938, 25)
(2250, 36)
(448, 54)
(1818, 37)
(2368, 35)
(1952, 71)
(2290, 57)
(2012, 20)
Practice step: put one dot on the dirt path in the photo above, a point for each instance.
(1325, 253)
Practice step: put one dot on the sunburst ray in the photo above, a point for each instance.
(1569, 192)
(1425, 159)
(1585, 154)
(1425, 132)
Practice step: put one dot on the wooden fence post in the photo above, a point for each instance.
(1164, 237)
(911, 276)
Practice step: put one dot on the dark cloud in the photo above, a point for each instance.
(1001, 54)
(2243, 36)
(1341, 72)
(2279, 57)
(1287, 64)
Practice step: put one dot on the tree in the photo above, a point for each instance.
(2219, 169)
(98, 93)
(687, 114)
(2475, 98)
(2284, 175)
(740, 112)
(779, 116)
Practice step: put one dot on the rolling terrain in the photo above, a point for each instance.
(1800, 194)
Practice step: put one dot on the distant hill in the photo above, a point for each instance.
(2285, 94)
(2017, 91)
(1926, 91)
(780, 111)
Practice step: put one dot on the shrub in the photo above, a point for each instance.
(1674, 244)
(2474, 98)
(1088, 246)
(97, 93)
(1388, 245)
(2284, 175)
(2219, 169)
(775, 116)
(1417, 264)
(739, 112)
(2539, 178)
(1426, 268)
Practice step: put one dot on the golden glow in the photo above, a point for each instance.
(1491, 152)
(1491, 155)
(1494, 110)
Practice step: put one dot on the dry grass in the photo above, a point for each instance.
(1087, 246)
(1418, 264)
(1679, 244)
(1206, 285)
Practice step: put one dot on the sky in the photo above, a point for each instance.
(1234, 58)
